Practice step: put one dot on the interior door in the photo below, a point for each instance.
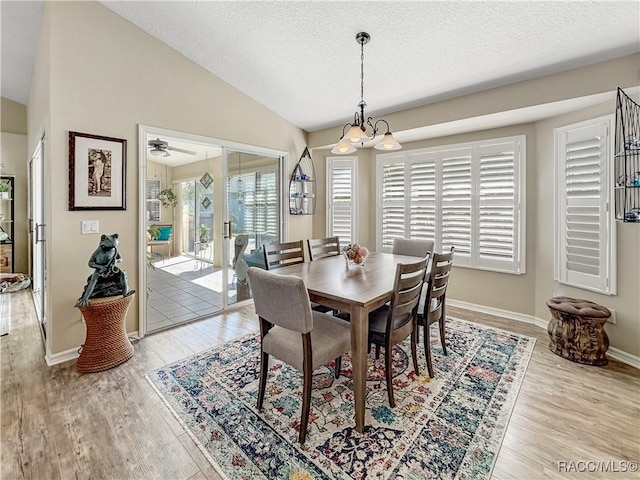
(253, 216)
(37, 233)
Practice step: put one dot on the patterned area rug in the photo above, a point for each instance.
(448, 427)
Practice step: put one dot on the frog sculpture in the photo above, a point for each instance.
(107, 280)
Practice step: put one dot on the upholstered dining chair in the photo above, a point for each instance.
(412, 247)
(278, 255)
(294, 334)
(392, 323)
(432, 307)
(323, 247)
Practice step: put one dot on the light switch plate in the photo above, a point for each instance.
(90, 227)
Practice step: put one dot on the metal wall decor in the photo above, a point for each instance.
(627, 159)
(302, 187)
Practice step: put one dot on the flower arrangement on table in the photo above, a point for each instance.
(168, 198)
(354, 254)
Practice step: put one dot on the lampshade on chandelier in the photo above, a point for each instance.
(357, 133)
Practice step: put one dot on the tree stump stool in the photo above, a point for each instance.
(576, 330)
(106, 344)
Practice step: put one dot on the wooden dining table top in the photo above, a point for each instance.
(330, 278)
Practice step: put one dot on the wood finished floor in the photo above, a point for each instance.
(57, 423)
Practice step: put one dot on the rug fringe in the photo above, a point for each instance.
(185, 427)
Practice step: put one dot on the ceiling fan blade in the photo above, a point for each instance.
(181, 150)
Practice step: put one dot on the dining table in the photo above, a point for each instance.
(357, 290)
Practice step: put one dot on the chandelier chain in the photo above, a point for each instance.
(362, 71)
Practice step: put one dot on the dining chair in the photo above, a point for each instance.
(293, 333)
(392, 323)
(412, 247)
(432, 307)
(278, 255)
(323, 247)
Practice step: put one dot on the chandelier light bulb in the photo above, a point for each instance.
(356, 135)
(343, 147)
(388, 143)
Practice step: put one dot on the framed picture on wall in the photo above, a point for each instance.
(97, 172)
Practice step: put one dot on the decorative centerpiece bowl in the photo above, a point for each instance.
(355, 255)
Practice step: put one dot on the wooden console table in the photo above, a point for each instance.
(576, 330)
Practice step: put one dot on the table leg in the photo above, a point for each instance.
(359, 343)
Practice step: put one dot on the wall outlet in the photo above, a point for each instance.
(612, 318)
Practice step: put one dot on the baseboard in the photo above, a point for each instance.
(520, 317)
(72, 353)
(623, 357)
(61, 357)
(612, 352)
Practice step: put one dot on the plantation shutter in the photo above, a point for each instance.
(422, 201)
(341, 194)
(583, 214)
(392, 201)
(457, 204)
(266, 205)
(498, 207)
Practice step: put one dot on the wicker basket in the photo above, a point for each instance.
(107, 344)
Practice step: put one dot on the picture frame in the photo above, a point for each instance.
(97, 172)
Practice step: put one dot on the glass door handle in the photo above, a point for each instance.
(227, 226)
(38, 238)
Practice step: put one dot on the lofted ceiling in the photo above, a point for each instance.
(301, 60)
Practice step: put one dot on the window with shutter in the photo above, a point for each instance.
(341, 193)
(392, 200)
(468, 196)
(585, 230)
(422, 202)
(456, 204)
(498, 206)
(153, 204)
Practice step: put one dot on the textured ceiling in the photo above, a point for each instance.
(301, 60)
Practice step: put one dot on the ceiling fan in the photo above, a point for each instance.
(160, 148)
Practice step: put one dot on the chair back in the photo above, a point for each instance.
(282, 300)
(278, 255)
(412, 247)
(407, 288)
(323, 247)
(437, 285)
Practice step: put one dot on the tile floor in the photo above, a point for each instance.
(181, 289)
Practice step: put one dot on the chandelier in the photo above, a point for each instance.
(357, 132)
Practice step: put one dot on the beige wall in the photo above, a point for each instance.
(13, 117)
(625, 334)
(100, 74)
(524, 294)
(497, 290)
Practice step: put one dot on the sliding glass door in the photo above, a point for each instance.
(253, 212)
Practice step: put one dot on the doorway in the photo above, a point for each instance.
(190, 187)
(37, 235)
